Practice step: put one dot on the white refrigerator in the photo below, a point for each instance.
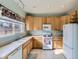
(70, 41)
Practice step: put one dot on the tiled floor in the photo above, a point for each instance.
(46, 54)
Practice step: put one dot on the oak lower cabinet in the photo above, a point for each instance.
(17, 54)
(25, 54)
(37, 43)
(58, 42)
(27, 47)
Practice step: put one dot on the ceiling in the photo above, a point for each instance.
(47, 6)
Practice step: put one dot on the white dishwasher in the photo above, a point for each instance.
(17, 54)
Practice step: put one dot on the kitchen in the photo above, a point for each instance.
(30, 30)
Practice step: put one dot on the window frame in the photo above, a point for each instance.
(13, 21)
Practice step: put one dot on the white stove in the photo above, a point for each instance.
(47, 36)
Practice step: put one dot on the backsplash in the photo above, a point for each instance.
(40, 33)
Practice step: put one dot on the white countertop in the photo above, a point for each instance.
(6, 50)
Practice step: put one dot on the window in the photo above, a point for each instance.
(5, 27)
(17, 27)
(10, 27)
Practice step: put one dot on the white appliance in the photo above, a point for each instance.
(47, 36)
(70, 40)
(17, 54)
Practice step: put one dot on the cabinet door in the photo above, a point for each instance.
(25, 51)
(30, 46)
(39, 23)
(58, 44)
(29, 23)
(37, 43)
(36, 23)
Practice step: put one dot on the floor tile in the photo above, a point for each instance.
(46, 54)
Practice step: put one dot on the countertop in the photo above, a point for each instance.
(6, 50)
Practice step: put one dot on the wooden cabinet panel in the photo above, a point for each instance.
(40, 23)
(49, 20)
(31, 45)
(36, 23)
(58, 43)
(44, 20)
(37, 43)
(25, 51)
(57, 22)
(27, 47)
(29, 23)
(52, 21)
(74, 17)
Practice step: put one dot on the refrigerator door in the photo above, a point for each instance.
(68, 52)
(70, 40)
(70, 34)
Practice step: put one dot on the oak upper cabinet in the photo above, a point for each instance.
(29, 23)
(52, 22)
(40, 23)
(71, 18)
(57, 23)
(33, 23)
(44, 20)
(49, 20)
(74, 17)
(64, 20)
(37, 23)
